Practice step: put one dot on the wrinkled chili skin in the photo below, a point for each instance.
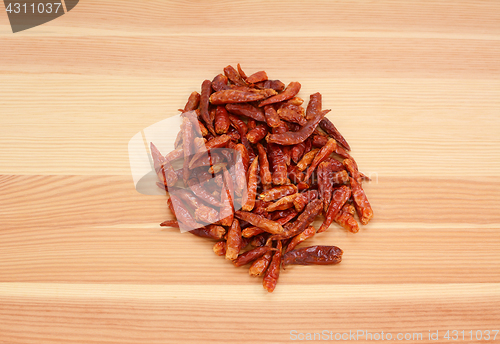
(253, 173)
(251, 255)
(303, 199)
(273, 84)
(260, 265)
(306, 234)
(251, 231)
(323, 153)
(265, 174)
(307, 159)
(363, 207)
(297, 152)
(325, 183)
(163, 169)
(283, 203)
(314, 105)
(278, 163)
(256, 77)
(233, 240)
(273, 272)
(257, 134)
(233, 75)
(219, 83)
(319, 141)
(318, 255)
(347, 221)
(193, 102)
(278, 192)
(226, 212)
(222, 121)
(290, 91)
(220, 248)
(331, 130)
(339, 197)
(272, 118)
(291, 115)
(206, 90)
(201, 193)
(188, 197)
(304, 220)
(210, 232)
(292, 138)
(187, 138)
(247, 110)
(241, 72)
(260, 221)
(182, 214)
(235, 96)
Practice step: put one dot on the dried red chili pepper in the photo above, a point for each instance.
(182, 214)
(241, 72)
(303, 199)
(206, 90)
(298, 151)
(251, 255)
(323, 153)
(304, 220)
(257, 134)
(220, 248)
(193, 102)
(290, 91)
(170, 223)
(233, 240)
(257, 77)
(278, 192)
(251, 231)
(292, 138)
(307, 159)
(306, 234)
(233, 75)
(163, 169)
(210, 232)
(265, 173)
(319, 255)
(236, 96)
(278, 162)
(363, 207)
(273, 272)
(339, 197)
(247, 110)
(273, 84)
(283, 203)
(272, 118)
(291, 114)
(253, 174)
(260, 221)
(346, 219)
(260, 265)
(219, 83)
(330, 129)
(222, 122)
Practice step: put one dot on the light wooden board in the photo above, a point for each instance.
(413, 86)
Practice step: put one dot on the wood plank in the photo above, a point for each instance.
(78, 313)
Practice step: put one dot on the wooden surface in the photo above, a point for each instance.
(413, 86)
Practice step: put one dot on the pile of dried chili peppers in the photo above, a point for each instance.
(294, 167)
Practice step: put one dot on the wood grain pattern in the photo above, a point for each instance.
(413, 86)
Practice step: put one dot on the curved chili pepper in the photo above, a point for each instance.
(290, 91)
(247, 110)
(339, 197)
(257, 134)
(283, 203)
(278, 192)
(307, 159)
(304, 220)
(331, 130)
(241, 73)
(303, 199)
(260, 221)
(319, 255)
(292, 138)
(260, 265)
(219, 83)
(346, 219)
(299, 238)
(233, 75)
(314, 106)
(272, 118)
(323, 153)
(163, 169)
(251, 255)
